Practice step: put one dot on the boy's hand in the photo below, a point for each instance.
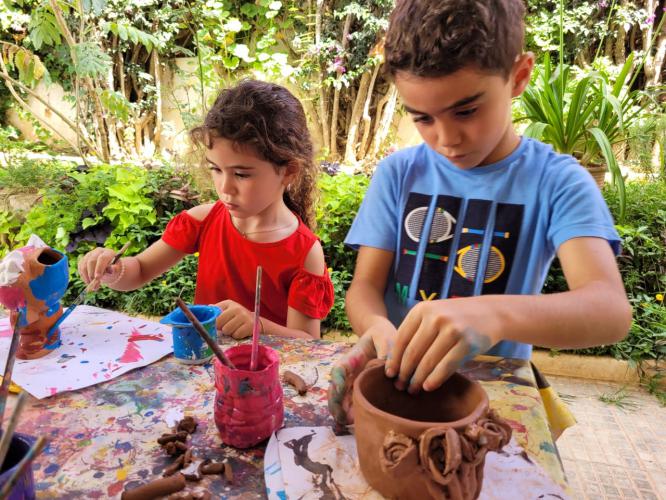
(435, 339)
(235, 321)
(376, 342)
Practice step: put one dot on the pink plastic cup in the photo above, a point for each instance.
(248, 404)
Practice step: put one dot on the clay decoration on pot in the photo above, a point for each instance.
(33, 279)
(428, 445)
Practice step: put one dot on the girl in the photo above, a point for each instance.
(260, 155)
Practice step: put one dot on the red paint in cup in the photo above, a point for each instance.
(248, 404)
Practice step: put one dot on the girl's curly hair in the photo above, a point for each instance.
(268, 118)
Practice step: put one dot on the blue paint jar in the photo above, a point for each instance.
(188, 346)
(24, 489)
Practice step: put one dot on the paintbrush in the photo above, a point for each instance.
(78, 300)
(6, 439)
(204, 334)
(9, 366)
(255, 323)
(22, 466)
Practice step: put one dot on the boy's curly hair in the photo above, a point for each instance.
(268, 118)
(431, 38)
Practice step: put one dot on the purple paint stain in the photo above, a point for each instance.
(143, 474)
(51, 469)
(80, 435)
(126, 446)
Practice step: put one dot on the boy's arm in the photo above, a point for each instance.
(364, 302)
(367, 315)
(436, 337)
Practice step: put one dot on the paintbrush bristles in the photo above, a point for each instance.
(8, 432)
(204, 334)
(9, 366)
(23, 466)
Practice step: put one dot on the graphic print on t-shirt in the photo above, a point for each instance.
(452, 260)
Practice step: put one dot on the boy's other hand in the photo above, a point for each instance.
(435, 339)
(235, 320)
(376, 342)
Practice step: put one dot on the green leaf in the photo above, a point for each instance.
(116, 104)
(44, 29)
(249, 10)
(230, 62)
(91, 59)
(87, 222)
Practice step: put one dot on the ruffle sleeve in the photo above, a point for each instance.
(182, 233)
(311, 294)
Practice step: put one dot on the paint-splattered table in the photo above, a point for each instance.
(102, 438)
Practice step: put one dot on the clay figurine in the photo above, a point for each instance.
(33, 279)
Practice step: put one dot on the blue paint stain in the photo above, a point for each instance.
(80, 435)
(50, 286)
(547, 447)
(98, 474)
(125, 447)
(282, 495)
(84, 361)
(244, 387)
(149, 413)
(51, 469)
(109, 327)
(143, 474)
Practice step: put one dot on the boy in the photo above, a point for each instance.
(496, 208)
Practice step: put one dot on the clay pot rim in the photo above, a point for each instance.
(421, 426)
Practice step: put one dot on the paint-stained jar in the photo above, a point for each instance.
(248, 404)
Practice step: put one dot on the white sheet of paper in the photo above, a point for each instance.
(508, 474)
(97, 345)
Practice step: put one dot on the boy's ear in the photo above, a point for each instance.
(521, 73)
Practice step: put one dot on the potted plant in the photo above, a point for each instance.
(584, 117)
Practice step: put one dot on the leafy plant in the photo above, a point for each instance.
(583, 117)
(619, 398)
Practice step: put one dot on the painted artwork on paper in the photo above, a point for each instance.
(313, 463)
(97, 345)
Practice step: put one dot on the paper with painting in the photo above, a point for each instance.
(97, 345)
(312, 462)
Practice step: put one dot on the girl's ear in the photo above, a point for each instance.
(290, 173)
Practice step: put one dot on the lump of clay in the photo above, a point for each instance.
(155, 489)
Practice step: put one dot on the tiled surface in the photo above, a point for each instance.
(613, 452)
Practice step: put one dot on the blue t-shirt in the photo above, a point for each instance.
(507, 219)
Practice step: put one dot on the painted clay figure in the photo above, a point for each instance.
(33, 279)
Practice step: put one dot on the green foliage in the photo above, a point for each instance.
(22, 174)
(643, 268)
(583, 117)
(44, 28)
(337, 318)
(341, 195)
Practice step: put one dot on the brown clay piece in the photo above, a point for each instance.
(168, 438)
(175, 448)
(155, 489)
(174, 467)
(295, 380)
(210, 467)
(187, 424)
(228, 472)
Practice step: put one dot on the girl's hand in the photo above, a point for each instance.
(376, 342)
(436, 338)
(94, 266)
(235, 320)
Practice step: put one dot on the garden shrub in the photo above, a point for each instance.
(642, 264)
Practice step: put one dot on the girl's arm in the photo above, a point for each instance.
(129, 273)
(299, 325)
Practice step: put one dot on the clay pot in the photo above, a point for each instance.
(40, 287)
(431, 445)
